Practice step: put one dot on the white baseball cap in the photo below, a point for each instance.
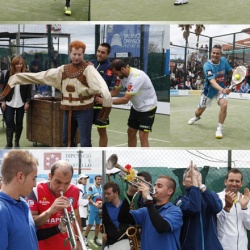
(80, 176)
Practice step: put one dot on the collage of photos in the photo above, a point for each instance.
(123, 129)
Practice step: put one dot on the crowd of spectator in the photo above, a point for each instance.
(192, 78)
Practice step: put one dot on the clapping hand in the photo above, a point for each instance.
(194, 174)
(230, 197)
(244, 199)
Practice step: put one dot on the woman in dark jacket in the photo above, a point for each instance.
(15, 103)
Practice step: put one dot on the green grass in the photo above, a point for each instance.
(202, 133)
(117, 132)
(92, 245)
(46, 10)
(162, 10)
(103, 10)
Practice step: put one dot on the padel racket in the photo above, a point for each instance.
(238, 76)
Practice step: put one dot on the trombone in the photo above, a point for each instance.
(112, 163)
(70, 221)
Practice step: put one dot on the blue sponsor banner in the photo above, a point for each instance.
(167, 70)
(174, 92)
(125, 42)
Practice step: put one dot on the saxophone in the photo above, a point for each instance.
(134, 238)
(133, 232)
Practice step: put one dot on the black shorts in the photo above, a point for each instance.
(142, 121)
(83, 221)
(99, 124)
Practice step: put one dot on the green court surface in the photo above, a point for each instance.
(46, 10)
(236, 133)
(92, 245)
(117, 132)
(195, 11)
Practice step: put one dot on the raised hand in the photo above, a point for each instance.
(144, 189)
(230, 197)
(244, 199)
(194, 174)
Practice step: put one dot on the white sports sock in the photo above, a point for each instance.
(219, 126)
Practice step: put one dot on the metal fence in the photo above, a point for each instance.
(213, 165)
(193, 53)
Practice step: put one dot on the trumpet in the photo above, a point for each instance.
(112, 163)
(70, 221)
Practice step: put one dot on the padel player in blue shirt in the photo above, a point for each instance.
(215, 71)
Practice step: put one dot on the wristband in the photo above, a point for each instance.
(149, 202)
(61, 230)
(202, 186)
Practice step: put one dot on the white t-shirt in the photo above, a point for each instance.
(82, 202)
(139, 85)
(16, 101)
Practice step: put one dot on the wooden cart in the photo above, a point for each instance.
(45, 121)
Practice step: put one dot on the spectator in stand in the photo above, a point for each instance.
(206, 48)
(191, 74)
(34, 69)
(193, 83)
(55, 60)
(198, 82)
(172, 79)
(201, 49)
(3, 69)
(35, 65)
(5, 64)
(245, 88)
(236, 64)
(188, 84)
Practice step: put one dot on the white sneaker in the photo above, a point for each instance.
(86, 241)
(193, 120)
(218, 134)
(180, 2)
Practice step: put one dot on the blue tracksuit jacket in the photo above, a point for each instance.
(199, 230)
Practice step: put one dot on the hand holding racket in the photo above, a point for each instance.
(238, 76)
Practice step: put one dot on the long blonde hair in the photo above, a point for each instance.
(14, 62)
